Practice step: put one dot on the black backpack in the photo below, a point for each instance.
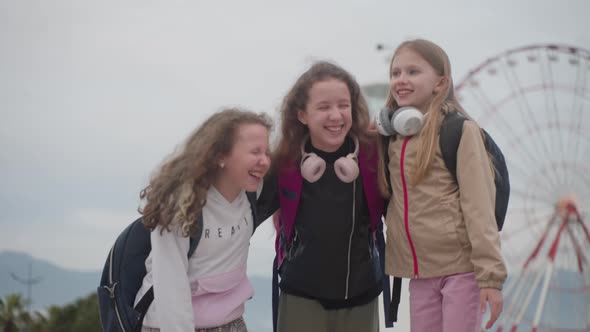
(123, 275)
(450, 136)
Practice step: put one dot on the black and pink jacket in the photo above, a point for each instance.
(288, 185)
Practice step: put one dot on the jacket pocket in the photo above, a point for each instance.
(453, 225)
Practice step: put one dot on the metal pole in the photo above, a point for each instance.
(29, 281)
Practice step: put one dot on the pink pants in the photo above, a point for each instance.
(445, 304)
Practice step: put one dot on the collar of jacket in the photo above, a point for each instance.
(290, 183)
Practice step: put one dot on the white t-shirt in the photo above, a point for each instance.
(210, 288)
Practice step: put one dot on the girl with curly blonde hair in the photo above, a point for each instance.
(202, 193)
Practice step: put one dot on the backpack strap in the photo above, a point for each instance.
(143, 305)
(275, 293)
(390, 301)
(252, 199)
(192, 246)
(451, 131)
(386, 140)
(396, 291)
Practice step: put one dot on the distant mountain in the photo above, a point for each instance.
(60, 286)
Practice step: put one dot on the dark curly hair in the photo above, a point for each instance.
(293, 131)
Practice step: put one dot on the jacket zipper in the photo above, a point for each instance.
(406, 212)
(350, 238)
(112, 290)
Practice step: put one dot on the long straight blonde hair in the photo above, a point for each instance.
(442, 102)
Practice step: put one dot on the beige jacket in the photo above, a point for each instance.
(449, 229)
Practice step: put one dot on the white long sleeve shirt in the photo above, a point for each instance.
(211, 287)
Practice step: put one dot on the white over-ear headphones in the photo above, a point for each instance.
(313, 166)
(406, 121)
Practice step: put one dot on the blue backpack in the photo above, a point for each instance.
(123, 275)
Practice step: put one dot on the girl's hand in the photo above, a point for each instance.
(494, 297)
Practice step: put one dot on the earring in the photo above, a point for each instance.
(221, 164)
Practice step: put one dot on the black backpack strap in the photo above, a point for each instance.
(193, 242)
(386, 140)
(275, 293)
(391, 295)
(252, 199)
(451, 131)
(389, 308)
(195, 238)
(143, 305)
(395, 299)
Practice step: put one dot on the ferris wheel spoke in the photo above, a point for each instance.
(575, 160)
(527, 158)
(508, 131)
(551, 101)
(580, 258)
(523, 106)
(527, 300)
(580, 185)
(480, 96)
(549, 271)
(541, 216)
(558, 170)
(534, 197)
(522, 146)
(524, 171)
(578, 101)
(552, 179)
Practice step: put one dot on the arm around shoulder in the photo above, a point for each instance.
(268, 200)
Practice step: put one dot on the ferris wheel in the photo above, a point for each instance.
(535, 103)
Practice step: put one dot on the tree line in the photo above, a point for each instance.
(80, 315)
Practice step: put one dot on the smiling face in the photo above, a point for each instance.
(246, 164)
(413, 80)
(328, 114)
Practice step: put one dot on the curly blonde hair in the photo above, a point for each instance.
(176, 193)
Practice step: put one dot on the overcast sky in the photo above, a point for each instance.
(94, 94)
